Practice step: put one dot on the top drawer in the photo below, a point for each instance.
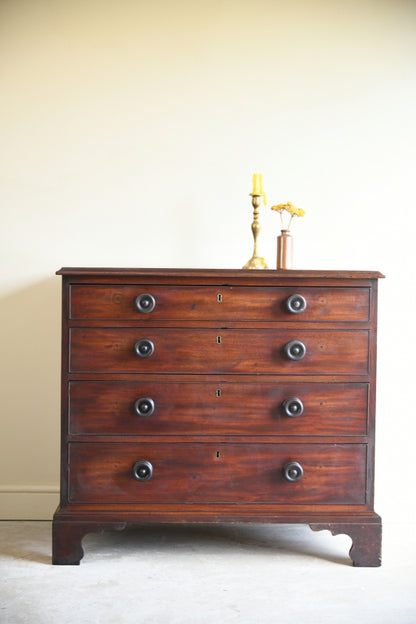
(147, 302)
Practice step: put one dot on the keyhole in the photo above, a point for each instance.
(218, 393)
(219, 298)
(218, 339)
(218, 454)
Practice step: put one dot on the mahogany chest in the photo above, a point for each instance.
(218, 396)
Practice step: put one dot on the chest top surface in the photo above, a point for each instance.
(264, 276)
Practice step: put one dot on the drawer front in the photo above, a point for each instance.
(209, 473)
(217, 303)
(218, 351)
(195, 408)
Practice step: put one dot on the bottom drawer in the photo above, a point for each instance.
(216, 473)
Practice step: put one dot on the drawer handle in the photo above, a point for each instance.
(142, 470)
(144, 406)
(295, 350)
(145, 303)
(292, 471)
(144, 348)
(296, 304)
(293, 407)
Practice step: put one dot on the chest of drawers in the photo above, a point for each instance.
(218, 396)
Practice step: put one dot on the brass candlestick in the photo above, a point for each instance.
(255, 261)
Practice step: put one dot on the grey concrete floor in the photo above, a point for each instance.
(203, 574)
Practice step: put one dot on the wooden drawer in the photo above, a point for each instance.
(215, 473)
(218, 351)
(222, 408)
(218, 303)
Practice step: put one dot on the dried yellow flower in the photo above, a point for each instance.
(279, 207)
(291, 209)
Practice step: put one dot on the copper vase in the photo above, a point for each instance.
(284, 250)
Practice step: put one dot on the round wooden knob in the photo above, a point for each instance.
(296, 304)
(142, 470)
(144, 348)
(292, 471)
(145, 406)
(145, 303)
(292, 407)
(295, 350)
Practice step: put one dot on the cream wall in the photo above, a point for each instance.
(129, 134)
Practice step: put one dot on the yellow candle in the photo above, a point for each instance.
(262, 189)
(257, 183)
(258, 186)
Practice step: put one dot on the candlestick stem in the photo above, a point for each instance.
(255, 261)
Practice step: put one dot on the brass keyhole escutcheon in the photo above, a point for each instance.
(219, 298)
(218, 339)
(218, 393)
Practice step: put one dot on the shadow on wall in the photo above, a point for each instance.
(30, 378)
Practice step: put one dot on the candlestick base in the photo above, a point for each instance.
(256, 263)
